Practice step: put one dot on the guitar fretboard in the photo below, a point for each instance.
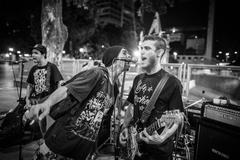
(155, 126)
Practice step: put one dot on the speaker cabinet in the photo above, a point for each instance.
(216, 141)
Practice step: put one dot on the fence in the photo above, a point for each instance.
(211, 81)
(199, 81)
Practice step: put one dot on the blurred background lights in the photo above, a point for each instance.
(11, 49)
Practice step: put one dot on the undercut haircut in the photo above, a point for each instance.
(161, 43)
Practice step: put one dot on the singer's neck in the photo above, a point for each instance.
(153, 69)
(43, 62)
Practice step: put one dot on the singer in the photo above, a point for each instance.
(157, 144)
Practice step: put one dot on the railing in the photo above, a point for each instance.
(195, 78)
(179, 70)
(212, 81)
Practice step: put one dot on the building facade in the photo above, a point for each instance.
(116, 12)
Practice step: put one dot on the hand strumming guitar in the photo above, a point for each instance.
(40, 110)
(37, 112)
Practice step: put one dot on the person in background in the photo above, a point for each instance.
(43, 78)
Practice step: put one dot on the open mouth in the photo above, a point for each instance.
(143, 58)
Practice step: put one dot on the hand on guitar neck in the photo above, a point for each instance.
(170, 123)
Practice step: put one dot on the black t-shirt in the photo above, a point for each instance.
(94, 92)
(44, 79)
(169, 99)
(77, 131)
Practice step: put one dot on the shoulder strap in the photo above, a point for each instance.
(146, 113)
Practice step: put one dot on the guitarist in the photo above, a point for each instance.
(43, 78)
(158, 145)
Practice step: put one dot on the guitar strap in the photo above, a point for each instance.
(146, 113)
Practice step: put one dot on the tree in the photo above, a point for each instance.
(54, 32)
(82, 29)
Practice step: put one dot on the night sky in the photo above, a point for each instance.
(15, 15)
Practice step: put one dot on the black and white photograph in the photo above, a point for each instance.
(119, 80)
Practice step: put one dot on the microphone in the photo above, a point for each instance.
(132, 60)
(23, 60)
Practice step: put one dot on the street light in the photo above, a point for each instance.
(227, 56)
(175, 55)
(174, 30)
(81, 50)
(11, 49)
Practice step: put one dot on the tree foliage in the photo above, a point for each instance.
(79, 17)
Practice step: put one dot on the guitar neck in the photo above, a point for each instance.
(154, 126)
(165, 120)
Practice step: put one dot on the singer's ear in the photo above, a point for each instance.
(160, 52)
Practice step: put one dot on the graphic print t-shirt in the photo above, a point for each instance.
(169, 99)
(93, 90)
(38, 76)
(143, 87)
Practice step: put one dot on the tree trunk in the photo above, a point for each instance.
(54, 32)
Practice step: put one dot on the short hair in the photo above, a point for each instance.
(161, 43)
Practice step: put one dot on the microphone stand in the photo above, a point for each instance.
(113, 139)
(22, 103)
(117, 118)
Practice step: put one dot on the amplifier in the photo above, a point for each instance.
(215, 141)
(227, 114)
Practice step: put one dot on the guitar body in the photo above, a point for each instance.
(133, 144)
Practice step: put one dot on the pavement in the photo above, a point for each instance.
(8, 100)
(12, 153)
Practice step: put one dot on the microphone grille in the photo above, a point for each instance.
(135, 59)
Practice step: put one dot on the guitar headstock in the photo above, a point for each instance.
(172, 116)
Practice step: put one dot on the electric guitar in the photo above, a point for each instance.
(167, 119)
